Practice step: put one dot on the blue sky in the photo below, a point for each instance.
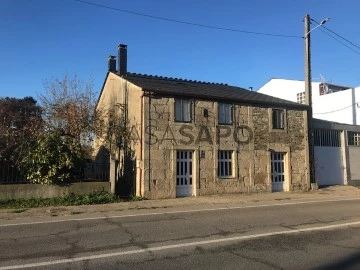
(41, 39)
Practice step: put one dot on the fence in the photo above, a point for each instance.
(10, 174)
(95, 171)
(91, 172)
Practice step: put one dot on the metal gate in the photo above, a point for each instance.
(278, 171)
(328, 156)
(184, 170)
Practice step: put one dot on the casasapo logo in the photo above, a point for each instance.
(189, 135)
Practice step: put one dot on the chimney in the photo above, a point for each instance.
(112, 63)
(122, 51)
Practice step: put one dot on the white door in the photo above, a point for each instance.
(329, 169)
(184, 170)
(330, 163)
(278, 171)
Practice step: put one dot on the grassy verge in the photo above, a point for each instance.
(71, 199)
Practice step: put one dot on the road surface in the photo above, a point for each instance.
(283, 235)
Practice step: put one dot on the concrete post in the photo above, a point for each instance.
(345, 156)
(308, 99)
(112, 175)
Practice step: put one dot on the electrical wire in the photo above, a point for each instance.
(185, 22)
(342, 38)
(338, 40)
(353, 44)
(337, 110)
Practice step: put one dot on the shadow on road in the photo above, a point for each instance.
(350, 262)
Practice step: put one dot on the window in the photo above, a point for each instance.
(278, 119)
(225, 164)
(225, 113)
(182, 110)
(300, 97)
(353, 138)
(327, 137)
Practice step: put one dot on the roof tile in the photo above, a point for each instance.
(204, 90)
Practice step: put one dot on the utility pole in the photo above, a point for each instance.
(307, 57)
(308, 99)
(308, 94)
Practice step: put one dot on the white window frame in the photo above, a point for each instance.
(225, 113)
(225, 164)
(278, 119)
(353, 138)
(182, 110)
(300, 97)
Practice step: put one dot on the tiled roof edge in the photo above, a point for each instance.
(173, 79)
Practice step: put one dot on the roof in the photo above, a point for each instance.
(204, 90)
(326, 124)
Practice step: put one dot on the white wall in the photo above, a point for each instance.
(334, 107)
(354, 156)
(357, 105)
(337, 107)
(286, 89)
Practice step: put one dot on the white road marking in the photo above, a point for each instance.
(176, 212)
(189, 244)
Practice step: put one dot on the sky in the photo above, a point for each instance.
(45, 39)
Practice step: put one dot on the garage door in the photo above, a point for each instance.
(329, 169)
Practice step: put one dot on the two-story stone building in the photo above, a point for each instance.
(193, 138)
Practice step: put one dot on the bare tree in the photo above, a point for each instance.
(69, 107)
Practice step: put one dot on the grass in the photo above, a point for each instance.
(99, 197)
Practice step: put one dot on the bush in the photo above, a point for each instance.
(53, 159)
(96, 197)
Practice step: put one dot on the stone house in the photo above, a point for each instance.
(193, 138)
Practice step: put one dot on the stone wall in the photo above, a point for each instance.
(27, 191)
(250, 138)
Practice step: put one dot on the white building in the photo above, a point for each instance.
(337, 139)
(330, 102)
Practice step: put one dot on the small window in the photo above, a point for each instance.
(182, 110)
(353, 138)
(225, 113)
(225, 164)
(300, 97)
(278, 119)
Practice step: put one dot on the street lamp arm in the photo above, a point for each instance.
(320, 24)
(324, 21)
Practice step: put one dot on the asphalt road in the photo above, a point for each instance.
(309, 235)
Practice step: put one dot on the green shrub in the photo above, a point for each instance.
(53, 159)
(96, 197)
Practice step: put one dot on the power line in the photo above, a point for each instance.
(353, 44)
(338, 109)
(187, 23)
(338, 35)
(342, 38)
(338, 40)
